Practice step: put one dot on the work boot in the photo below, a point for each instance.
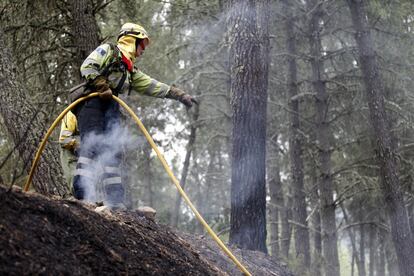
(78, 190)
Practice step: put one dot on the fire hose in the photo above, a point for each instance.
(160, 156)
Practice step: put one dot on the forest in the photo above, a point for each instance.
(301, 145)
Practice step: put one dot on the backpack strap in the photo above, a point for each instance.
(116, 62)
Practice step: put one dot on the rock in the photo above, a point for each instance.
(103, 209)
(147, 211)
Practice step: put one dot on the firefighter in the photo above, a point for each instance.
(109, 70)
(69, 141)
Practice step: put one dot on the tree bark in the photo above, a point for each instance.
(26, 126)
(147, 177)
(327, 209)
(84, 29)
(285, 217)
(351, 233)
(275, 192)
(385, 150)
(361, 264)
(372, 251)
(392, 262)
(249, 62)
(317, 237)
(410, 209)
(381, 253)
(301, 235)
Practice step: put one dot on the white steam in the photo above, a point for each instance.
(111, 146)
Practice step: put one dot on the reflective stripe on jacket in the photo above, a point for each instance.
(102, 56)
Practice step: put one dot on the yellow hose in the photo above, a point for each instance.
(160, 156)
(49, 132)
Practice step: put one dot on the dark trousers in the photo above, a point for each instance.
(100, 154)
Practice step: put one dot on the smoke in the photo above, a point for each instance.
(108, 148)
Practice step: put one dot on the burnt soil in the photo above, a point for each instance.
(50, 236)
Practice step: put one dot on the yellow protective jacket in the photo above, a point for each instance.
(69, 132)
(101, 57)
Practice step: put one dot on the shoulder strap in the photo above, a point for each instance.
(116, 60)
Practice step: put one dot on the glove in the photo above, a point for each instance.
(100, 84)
(179, 95)
(106, 95)
(187, 100)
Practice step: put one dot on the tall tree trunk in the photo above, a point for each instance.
(274, 185)
(84, 29)
(317, 237)
(372, 247)
(186, 166)
(147, 176)
(327, 210)
(204, 194)
(275, 191)
(381, 252)
(301, 235)
(410, 208)
(249, 62)
(285, 217)
(26, 126)
(353, 264)
(351, 233)
(361, 265)
(392, 262)
(385, 151)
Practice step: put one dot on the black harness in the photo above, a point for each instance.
(85, 88)
(116, 65)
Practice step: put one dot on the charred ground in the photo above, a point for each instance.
(40, 235)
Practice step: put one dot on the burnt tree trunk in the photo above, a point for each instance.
(186, 165)
(326, 189)
(25, 124)
(249, 62)
(301, 232)
(385, 150)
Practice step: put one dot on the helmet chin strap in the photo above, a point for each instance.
(137, 42)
